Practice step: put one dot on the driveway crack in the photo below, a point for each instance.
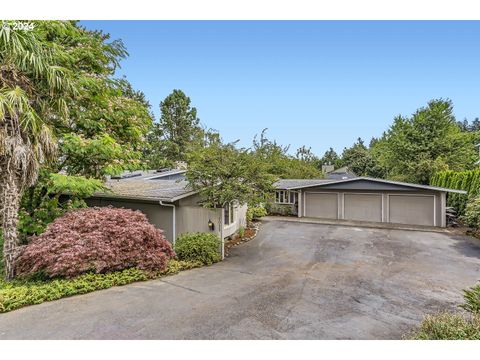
(182, 287)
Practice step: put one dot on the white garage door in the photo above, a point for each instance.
(412, 209)
(363, 207)
(321, 205)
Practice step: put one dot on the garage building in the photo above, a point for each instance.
(364, 199)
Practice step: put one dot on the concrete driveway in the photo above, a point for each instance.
(294, 281)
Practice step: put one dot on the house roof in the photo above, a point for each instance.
(287, 184)
(145, 188)
(147, 174)
(299, 183)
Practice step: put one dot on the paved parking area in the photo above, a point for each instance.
(294, 281)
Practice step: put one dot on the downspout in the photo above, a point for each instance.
(174, 222)
(221, 231)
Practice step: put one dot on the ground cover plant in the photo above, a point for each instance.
(32, 290)
(453, 325)
(19, 293)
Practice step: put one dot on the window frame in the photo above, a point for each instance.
(230, 208)
(286, 197)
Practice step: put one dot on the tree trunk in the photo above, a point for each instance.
(10, 201)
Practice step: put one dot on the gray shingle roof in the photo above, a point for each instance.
(288, 184)
(149, 174)
(297, 183)
(134, 188)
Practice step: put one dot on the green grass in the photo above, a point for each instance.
(19, 293)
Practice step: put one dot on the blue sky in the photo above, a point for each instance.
(320, 84)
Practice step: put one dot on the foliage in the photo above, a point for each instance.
(468, 180)
(19, 293)
(202, 247)
(96, 240)
(306, 155)
(241, 231)
(43, 203)
(415, 148)
(35, 85)
(256, 212)
(448, 326)
(454, 326)
(108, 119)
(278, 209)
(472, 300)
(360, 160)
(221, 173)
(465, 125)
(57, 91)
(177, 130)
(281, 165)
(331, 158)
(472, 213)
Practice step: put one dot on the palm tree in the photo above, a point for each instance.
(33, 92)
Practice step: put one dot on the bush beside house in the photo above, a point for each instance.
(97, 240)
(255, 212)
(126, 249)
(201, 247)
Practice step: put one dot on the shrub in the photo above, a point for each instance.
(97, 240)
(472, 300)
(202, 247)
(278, 209)
(468, 180)
(241, 231)
(256, 212)
(472, 213)
(448, 326)
(19, 293)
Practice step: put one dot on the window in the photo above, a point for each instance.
(285, 197)
(229, 214)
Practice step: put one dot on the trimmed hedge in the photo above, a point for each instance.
(202, 247)
(19, 293)
(468, 180)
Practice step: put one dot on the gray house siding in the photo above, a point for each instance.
(160, 216)
(189, 215)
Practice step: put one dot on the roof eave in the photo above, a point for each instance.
(143, 198)
(425, 187)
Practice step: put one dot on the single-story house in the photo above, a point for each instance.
(364, 199)
(165, 198)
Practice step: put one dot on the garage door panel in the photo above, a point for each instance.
(363, 207)
(321, 205)
(411, 209)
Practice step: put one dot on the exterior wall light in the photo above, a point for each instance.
(211, 225)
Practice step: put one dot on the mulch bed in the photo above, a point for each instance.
(249, 234)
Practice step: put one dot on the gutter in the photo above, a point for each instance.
(174, 220)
